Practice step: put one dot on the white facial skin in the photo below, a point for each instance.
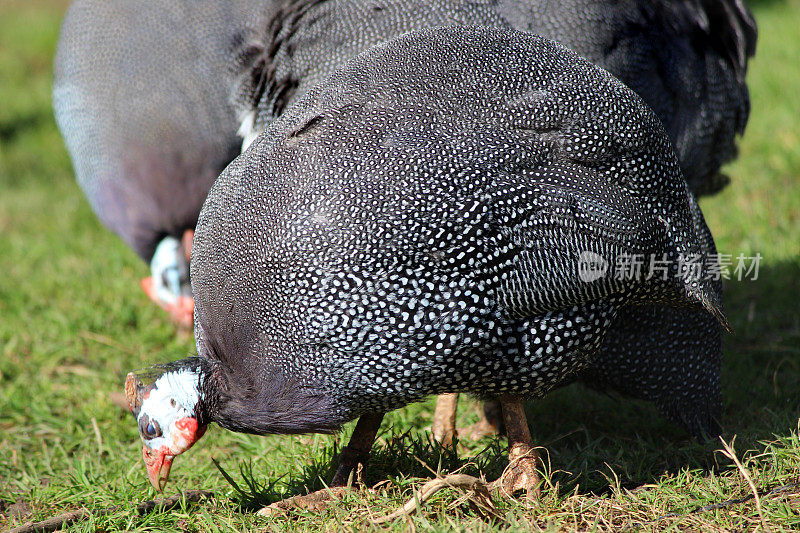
(169, 271)
(167, 422)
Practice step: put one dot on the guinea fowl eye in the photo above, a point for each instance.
(149, 428)
(153, 430)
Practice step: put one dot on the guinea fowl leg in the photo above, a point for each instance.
(521, 472)
(352, 459)
(356, 453)
(523, 460)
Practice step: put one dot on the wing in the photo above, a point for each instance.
(562, 238)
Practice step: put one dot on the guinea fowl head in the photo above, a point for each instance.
(168, 415)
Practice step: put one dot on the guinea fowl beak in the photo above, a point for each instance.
(158, 462)
(181, 311)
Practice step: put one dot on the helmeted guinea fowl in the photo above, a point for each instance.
(414, 226)
(141, 100)
(686, 59)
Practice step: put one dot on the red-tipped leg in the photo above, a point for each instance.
(352, 460)
(523, 460)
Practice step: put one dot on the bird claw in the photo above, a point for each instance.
(315, 501)
(520, 474)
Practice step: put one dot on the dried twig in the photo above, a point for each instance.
(479, 495)
(314, 501)
(63, 520)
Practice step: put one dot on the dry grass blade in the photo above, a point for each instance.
(729, 452)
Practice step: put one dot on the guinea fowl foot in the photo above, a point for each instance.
(521, 474)
(523, 460)
(352, 460)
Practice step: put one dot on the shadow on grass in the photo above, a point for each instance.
(761, 366)
(594, 441)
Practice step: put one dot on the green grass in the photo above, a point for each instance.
(73, 322)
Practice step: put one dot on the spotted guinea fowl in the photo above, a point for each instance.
(687, 60)
(140, 98)
(413, 226)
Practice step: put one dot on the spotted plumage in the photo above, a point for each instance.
(141, 96)
(141, 99)
(413, 226)
(667, 355)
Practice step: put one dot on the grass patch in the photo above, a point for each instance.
(73, 322)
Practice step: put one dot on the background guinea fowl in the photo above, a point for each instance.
(687, 60)
(140, 98)
(412, 227)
